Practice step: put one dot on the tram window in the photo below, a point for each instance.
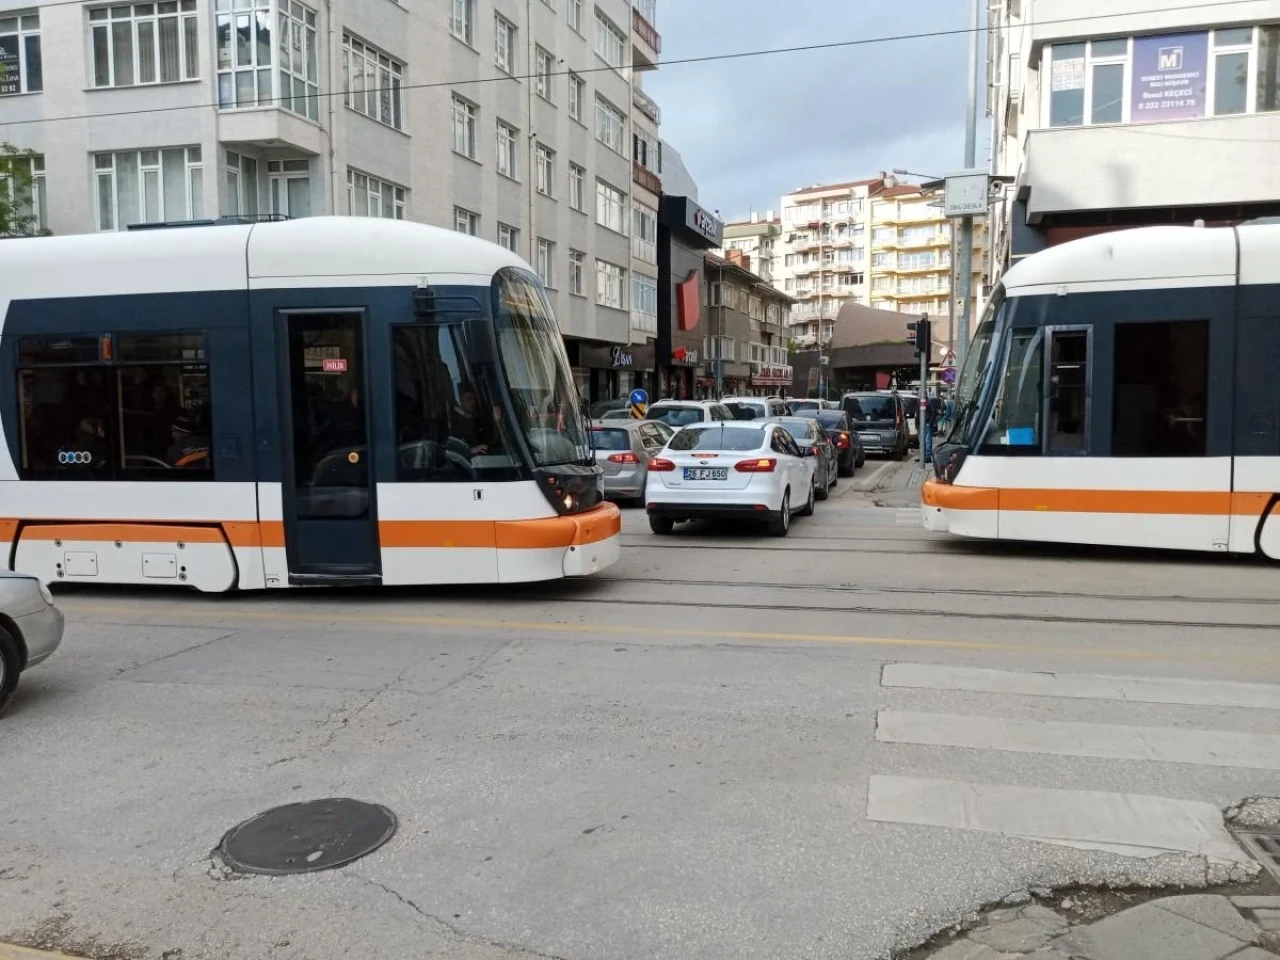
(1015, 420)
(448, 429)
(66, 423)
(1068, 391)
(163, 416)
(1161, 386)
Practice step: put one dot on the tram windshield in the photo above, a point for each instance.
(977, 366)
(543, 395)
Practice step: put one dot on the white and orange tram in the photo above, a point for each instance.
(328, 401)
(1124, 389)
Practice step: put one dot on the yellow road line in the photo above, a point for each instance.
(11, 951)
(1108, 653)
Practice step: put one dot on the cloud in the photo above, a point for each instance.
(754, 128)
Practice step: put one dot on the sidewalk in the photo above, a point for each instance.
(1197, 927)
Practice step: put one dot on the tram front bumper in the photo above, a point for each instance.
(932, 516)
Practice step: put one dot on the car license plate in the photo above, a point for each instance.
(706, 473)
(873, 437)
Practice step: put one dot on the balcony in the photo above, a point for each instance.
(646, 177)
(646, 43)
(1219, 161)
(646, 105)
(270, 127)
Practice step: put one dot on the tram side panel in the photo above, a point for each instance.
(1255, 522)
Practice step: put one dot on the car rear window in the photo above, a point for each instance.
(718, 437)
(802, 406)
(831, 419)
(610, 439)
(910, 405)
(798, 430)
(870, 407)
(675, 416)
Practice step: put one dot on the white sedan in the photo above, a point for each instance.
(742, 470)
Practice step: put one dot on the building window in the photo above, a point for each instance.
(644, 232)
(507, 152)
(574, 8)
(1268, 69)
(20, 51)
(611, 125)
(543, 65)
(644, 302)
(1231, 51)
(577, 266)
(577, 187)
(245, 51)
(609, 279)
(138, 415)
(372, 82)
(504, 43)
(610, 203)
(508, 236)
(546, 160)
(370, 197)
(462, 21)
(148, 186)
(464, 127)
(577, 91)
(22, 189)
(547, 263)
(142, 43)
(289, 185)
(647, 150)
(611, 43)
(241, 198)
(464, 221)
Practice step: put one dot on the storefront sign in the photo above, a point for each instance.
(685, 356)
(688, 301)
(10, 67)
(1169, 77)
(772, 377)
(617, 357)
(621, 357)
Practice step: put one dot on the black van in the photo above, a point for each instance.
(879, 420)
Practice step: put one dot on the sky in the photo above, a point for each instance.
(752, 129)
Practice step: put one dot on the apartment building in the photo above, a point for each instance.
(913, 266)
(747, 321)
(757, 239)
(1117, 113)
(524, 123)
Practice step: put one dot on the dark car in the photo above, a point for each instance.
(879, 421)
(849, 452)
(813, 441)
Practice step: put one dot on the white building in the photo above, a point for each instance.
(499, 118)
(1115, 113)
(760, 241)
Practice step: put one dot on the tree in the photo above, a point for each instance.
(18, 187)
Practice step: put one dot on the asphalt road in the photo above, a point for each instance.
(729, 746)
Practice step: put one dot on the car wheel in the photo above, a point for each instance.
(807, 509)
(661, 525)
(862, 461)
(10, 666)
(828, 480)
(781, 525)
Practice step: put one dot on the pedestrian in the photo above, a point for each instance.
(929, 411)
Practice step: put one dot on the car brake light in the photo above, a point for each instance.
(843, 442)
(623, 458)
(661, 465)
(763, 465)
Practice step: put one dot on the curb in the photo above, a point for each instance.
(11, 951)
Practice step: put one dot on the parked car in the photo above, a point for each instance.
(761, 408)
(603, 408)
(746, 471)
(797, 407)
(623, 449)
(811, 438)
(849, 452)
(30, 628)
(680, 413)
(879, 421)
(623, 414)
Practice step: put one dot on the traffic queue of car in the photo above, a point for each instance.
(759, 460)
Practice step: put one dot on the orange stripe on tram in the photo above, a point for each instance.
(124, 532)
(1156, 502)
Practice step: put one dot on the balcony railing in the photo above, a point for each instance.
(646, 177)
(646, 105)
(645, 30)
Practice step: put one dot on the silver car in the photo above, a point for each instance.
(30, 628)
(623, 450)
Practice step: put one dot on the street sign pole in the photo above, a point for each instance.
(924, 345)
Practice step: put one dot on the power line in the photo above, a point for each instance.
(506, 77)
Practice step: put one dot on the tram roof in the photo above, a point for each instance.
(316, 251)
(1141, 258)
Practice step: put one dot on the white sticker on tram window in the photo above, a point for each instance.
(335, 366)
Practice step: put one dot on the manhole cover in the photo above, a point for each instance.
(1264, 845)
(306, 837)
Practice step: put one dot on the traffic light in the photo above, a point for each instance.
(919, 333)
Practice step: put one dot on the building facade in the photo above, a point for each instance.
(1117, 113)
(756, 238)
(523, 123)
(746, 344)
(685, 233)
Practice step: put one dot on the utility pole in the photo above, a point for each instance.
(970, 158)
(924, 348)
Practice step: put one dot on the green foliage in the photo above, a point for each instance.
(17, 193)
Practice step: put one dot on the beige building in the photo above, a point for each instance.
(760, 240)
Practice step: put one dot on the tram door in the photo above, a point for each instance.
(328, 498)
(1257, 435)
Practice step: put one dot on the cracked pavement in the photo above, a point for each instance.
(671, 761)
